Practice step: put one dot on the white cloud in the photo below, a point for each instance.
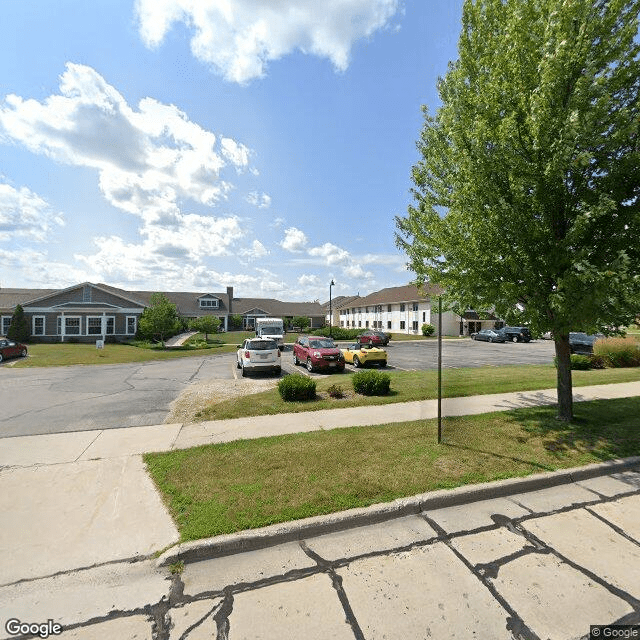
(31, 268)
(260, 200)
(330, 253)
(24, 214)
(239, 37)
(147, 158)
(356, 271)
(308, 280)
(257, 250)
(294, 240)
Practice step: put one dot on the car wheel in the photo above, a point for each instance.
(244, 373)
(238, 364)
(295, 359)
(356, 361)
(23, 353)
(0, 357)
(371, 343)
(278, 371)
(514, 339)
(383, 364)
(490, 339)
(309, 365)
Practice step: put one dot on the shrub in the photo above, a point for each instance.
(618, 352)
(19, 327)
(427, 329)
(578, 361)
(296, 387)
(338, 333)
(371, 383)
(335, 391)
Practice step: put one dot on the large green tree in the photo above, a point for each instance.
(526, 196)
(160, 319)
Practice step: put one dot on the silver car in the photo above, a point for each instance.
(259, 354)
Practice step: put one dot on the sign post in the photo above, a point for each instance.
(439, 369)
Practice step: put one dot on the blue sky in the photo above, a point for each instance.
(192, 145)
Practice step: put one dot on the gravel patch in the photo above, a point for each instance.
(201, 394)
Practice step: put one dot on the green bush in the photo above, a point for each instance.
(296, 387)
(578, 362)
(427, 329)
(338, 333)
(618, 352)
(371, 383)
(336, 391)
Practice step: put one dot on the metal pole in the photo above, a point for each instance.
(330, 311)
(439, 370)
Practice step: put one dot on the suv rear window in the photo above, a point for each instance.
(261, 345)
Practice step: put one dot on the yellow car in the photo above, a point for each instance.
(360, 354)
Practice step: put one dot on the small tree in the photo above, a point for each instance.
(19, 327)
(206, 325)
(159, 320)
(301, 321)
(235, 321)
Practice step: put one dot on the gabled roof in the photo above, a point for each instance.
(394, 295)
(10, 298)
(339, 301)
(277, 308)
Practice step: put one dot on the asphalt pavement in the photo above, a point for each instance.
(540, 557)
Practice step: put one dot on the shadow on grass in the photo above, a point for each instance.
(493, 454)
(605, 428)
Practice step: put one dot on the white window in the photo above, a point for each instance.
(6, 321)
(402, 324)
(131, 325)
(94, 326)
(209, 302)
(415, 325)
(72, 326)
(414, 306)
(111, 325)
(38, 326)
(402, 306)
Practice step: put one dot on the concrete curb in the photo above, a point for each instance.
(271, 535)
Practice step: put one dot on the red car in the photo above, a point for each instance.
(10, 349)
(318, 353)
(372, 337)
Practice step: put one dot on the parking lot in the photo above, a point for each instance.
(421, 355)
(81, 398)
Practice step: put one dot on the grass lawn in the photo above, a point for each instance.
(407, 386)
(217, 489)
(61, 354)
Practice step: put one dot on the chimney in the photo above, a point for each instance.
(230, 296)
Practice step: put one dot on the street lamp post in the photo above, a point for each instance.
(331, 284)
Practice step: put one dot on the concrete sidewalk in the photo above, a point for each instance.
(111, 443)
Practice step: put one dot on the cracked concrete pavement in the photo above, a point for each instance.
(536, 565)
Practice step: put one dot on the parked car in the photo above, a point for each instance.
(517, 334)
(372, 337)
(582, 343)
(490, 335)
(259, 354)
(10, 349)
(317, 353)
(360, 355)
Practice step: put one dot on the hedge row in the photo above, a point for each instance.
(296, 387)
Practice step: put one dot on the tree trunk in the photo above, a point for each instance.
(565, 391)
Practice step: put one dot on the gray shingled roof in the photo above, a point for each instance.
(393, 295)
(9, 298)
(277, 308)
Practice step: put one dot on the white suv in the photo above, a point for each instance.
(259, 354)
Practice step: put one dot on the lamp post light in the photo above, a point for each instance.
(331, 284)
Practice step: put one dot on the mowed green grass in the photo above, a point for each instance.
(218, 489)
(407, 386)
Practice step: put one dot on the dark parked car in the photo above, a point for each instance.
(372, 337)
(317, 353)
(517, 334)
(583, 343)
(10, 349)
(489, 335)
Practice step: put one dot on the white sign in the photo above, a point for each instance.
(99, 344)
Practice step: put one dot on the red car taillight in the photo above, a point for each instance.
(247, 355)
(279, 354)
